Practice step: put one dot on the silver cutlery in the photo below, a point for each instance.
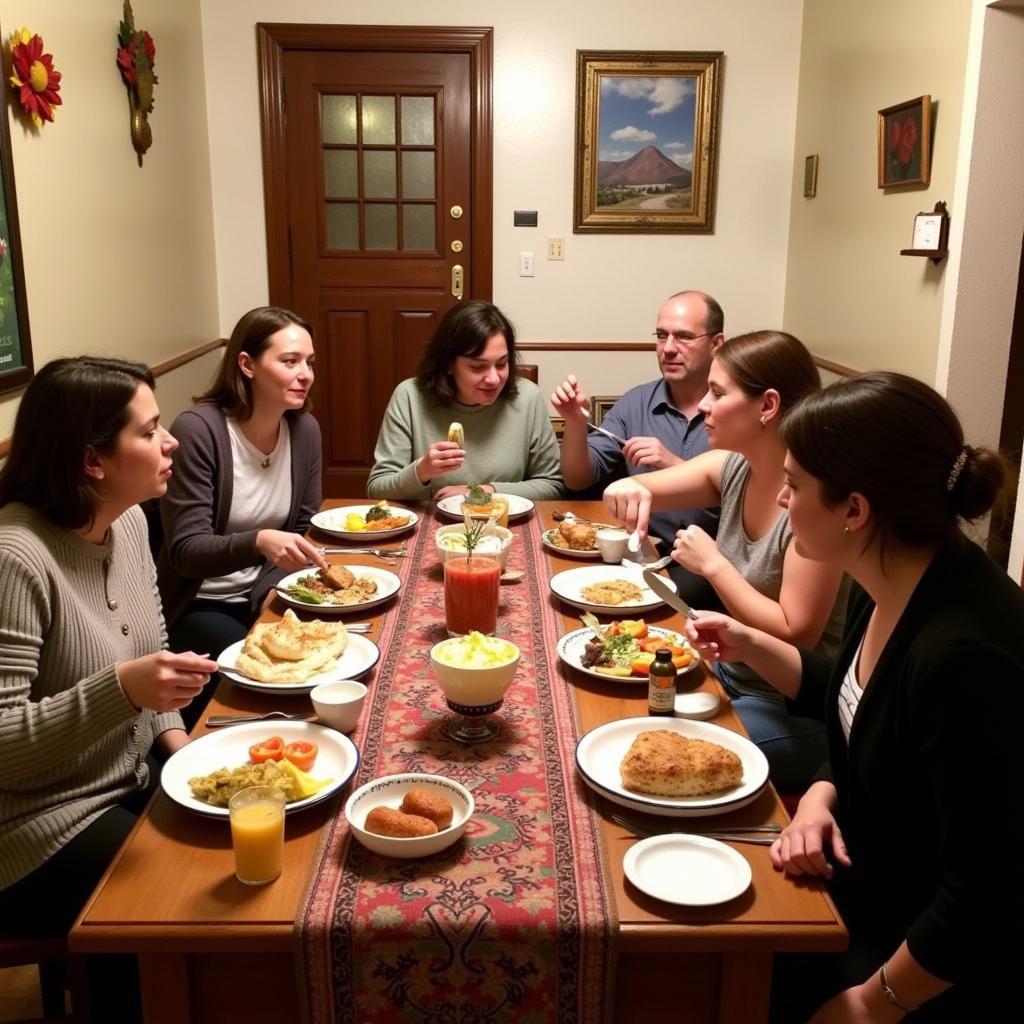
(216, 721)
(650, 566)
(376, 552)
(667, 594)
(607, 433)
(739, 834)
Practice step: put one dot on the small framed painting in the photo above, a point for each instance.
(811, 176)
(904, 143)
(599, 406)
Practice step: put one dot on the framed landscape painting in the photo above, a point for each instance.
(646, 141)
(904, 143)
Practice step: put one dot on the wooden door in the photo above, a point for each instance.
(377, 177)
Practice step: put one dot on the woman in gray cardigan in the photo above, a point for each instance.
(246, 484)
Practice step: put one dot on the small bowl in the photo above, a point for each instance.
(339, 704)
(473, 687)
(504, 535)
(389, 791)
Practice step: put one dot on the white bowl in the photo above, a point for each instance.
(339, 704)
(389, 791)
(503, 536)
(473, 687)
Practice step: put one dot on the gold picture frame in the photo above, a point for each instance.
(641, 117)
(600, 405)
(811, 176)
(904, 143)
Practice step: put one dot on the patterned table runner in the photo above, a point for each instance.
(516, 921)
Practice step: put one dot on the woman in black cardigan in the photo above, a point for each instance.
(922, 707)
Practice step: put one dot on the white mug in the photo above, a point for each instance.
(339, 704)
(611, 542)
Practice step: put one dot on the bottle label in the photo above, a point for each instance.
(661, 699)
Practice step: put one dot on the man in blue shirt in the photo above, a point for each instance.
(659, 421)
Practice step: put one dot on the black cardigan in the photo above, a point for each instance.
(930, 781)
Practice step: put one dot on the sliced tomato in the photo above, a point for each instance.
(641, 664)
(635, 628)
(301, 754)
(268, 750)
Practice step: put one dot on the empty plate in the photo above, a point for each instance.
(690, 871)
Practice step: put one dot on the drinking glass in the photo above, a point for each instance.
(257, 833)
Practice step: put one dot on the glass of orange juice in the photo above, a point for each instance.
(257, 833)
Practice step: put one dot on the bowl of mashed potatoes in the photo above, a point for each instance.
(453, 538)
(474, 670)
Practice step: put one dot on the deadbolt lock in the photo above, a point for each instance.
(456, 212)
(456, 246)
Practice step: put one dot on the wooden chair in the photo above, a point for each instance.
(527, 370)
(52, 956)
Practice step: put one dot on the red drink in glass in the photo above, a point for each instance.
(471, 593)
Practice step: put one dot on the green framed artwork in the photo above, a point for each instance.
(15, 343)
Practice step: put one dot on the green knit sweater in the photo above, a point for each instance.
(73, 744)
(509, 444)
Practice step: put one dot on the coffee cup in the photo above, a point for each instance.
(611, 542)
(339, 704)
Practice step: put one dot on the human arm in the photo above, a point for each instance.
(571, 403)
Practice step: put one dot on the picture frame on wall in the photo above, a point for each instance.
(811, 176)
(15, 343)
(904, 143)
(647, 127)
(599, 406)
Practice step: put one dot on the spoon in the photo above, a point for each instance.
(633, 542)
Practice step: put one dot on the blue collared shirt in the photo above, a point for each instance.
(648, 411)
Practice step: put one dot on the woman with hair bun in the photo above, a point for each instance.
(755, 379)
(878, 478)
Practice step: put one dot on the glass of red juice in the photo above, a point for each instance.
(471, 592)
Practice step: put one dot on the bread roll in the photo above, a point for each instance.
(429, 805)
(386, 821)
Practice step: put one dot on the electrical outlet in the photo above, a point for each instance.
(526, 264)
(556, 248)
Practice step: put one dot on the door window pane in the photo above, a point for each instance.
(340, 177)
(417, 120)
(342, 226)
(417, 174)
(418, 226)
(381, 226)
(379, 174)
(378, 120)
(338, 114)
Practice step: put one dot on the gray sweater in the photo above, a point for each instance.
(73, 744)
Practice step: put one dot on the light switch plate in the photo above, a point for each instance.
(526, 264)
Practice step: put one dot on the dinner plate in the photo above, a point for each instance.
(571, 646)
(568, 585)
(546, 540)
(387, 586)
(359, 657)
(338, 759)
(690, 871)
(517, 506)
(600, 752)
(332, 521)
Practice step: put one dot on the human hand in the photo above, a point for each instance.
(718, 637)
(802, 847)
(442, 457)
(851, 1007)
(630, 503)
(289, 551)
(570, 401)
(649, 451)
(696, 550)
(459, 490)
(164, 681)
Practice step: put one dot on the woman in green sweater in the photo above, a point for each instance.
(467, 375)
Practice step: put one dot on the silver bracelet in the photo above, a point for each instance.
(890, 995)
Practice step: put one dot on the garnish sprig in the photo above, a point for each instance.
(476, 529)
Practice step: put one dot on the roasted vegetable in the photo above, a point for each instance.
(378, 511)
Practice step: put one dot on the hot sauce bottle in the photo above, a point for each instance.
(661, 686)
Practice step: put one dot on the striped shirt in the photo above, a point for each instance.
(850, 693)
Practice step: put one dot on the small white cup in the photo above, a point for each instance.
(339, 704)
(611, 542)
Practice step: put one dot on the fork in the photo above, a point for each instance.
(388, 554)
(653, 566)
(216, 721)
(731, 835)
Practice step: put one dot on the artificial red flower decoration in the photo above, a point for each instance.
(136, 56)
(33, 75)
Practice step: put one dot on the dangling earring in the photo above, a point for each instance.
(764, 420)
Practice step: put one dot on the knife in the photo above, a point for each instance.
(667, 594)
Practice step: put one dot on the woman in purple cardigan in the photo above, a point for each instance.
(246, 484)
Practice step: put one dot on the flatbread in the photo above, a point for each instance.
(290, 651)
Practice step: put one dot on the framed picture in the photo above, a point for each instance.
(558, 426)
(15, 346)
(599, 405)
(904, 143)
(811, 176)
(646, 141)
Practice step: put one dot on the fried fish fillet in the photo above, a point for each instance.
(664, 763)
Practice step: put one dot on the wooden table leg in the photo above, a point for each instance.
(746, 987)
(165, 990)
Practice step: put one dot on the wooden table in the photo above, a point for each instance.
(212, 950)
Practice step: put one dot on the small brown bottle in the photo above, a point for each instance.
(661, 688)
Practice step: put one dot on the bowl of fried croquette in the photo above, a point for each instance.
(409, 815)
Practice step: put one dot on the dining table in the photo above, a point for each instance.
(210, 949)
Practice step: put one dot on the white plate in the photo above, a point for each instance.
(568, 586)
(571, 646)
(517, 506)
(332, 521)
(567, 552)
(691, 871)
(600, 752)
(359, 657)
(228, 748)
(387, 586)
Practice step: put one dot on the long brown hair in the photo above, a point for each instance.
(231, 390)
(770, 359)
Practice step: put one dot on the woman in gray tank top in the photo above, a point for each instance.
(760, 577)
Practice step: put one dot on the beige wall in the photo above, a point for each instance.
(849, 293)
(609, 287)
(118, 260)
